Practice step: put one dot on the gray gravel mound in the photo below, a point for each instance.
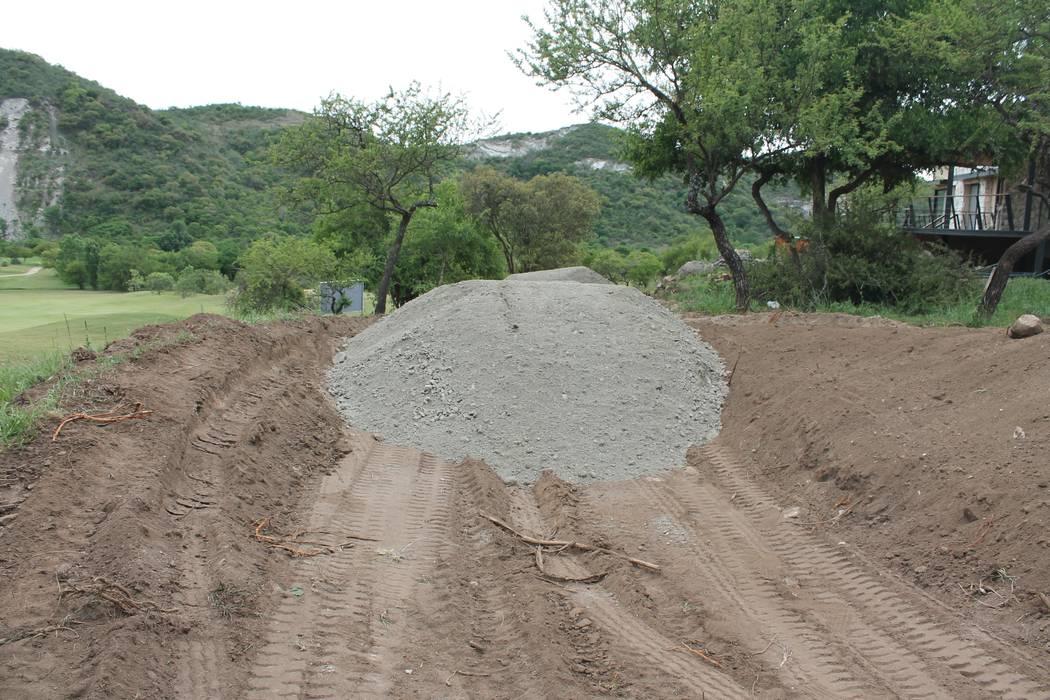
(561, 274)
(591, 381)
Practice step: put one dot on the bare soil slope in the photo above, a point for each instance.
(136, 564)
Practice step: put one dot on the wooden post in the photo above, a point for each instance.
(1028, 196)
(949, 198)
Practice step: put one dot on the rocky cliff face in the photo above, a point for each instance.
(31, 170)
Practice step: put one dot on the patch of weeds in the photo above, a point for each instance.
(18, 422)
(232, 601)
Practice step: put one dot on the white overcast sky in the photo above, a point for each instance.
(290, 54)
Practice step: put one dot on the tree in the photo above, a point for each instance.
(275, 270)
(1005, 49)
(538, 224)
(445, 247)
(387, 155)
(610, 264)
(642, 267)
(77, 260)
(699, 100)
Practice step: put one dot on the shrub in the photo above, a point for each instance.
(192, 281)
(642, 267)
(159, 282)
(685, 249)
(859, 260)
(276, 270)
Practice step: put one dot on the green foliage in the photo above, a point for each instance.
(634, 211)
(685, 249)
(192, 281)
(387, 155)
(444, 246)
(276, 271)
(607, 262)
(134, 172)
(642, 267)
(158, 282)
(858, 262)
(539, 224)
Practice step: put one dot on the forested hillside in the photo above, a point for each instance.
(169, 177)
(130, 172)
(635, 211)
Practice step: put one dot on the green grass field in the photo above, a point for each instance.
(40, 313)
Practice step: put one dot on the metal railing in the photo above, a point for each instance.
(979, 213)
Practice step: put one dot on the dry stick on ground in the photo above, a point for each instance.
(286, 542)
(593, 578)
(115, 594)
(33, 634)
(448, 681)
(566, 543)
(105, 418)
(696, 652)
(729, 381)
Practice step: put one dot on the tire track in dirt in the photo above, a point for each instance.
(889, 631)
(632, 639)
(746, 596)
(337, 639)
(227, 423)
(838, 662)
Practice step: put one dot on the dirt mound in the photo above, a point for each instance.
(561, 274)
(399, 585)
(590, 381)
(926, 447)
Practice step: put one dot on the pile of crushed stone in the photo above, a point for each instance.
(591, 381)
(561, 274)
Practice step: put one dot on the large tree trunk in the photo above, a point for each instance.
(997, 284)
(391, 261)
(732, 260)
(818, 177)
(781, 235)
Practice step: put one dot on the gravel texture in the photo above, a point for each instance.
(590, 381)
(561, 274)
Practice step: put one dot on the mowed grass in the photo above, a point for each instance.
(40, 314)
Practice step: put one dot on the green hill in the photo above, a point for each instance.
(126, 171)
(92, 162)
(635, 211)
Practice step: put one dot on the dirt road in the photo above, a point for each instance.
(408, 590)
(31, 271)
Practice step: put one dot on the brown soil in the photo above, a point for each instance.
(131, 567)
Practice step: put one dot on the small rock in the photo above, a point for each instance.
(968, 515)
(695, 267)
(792, 512)
(1025, 326)
(6, 520)
(920, 570)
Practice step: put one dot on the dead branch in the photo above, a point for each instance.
(34, 633)
(700, 652)
(1044, 600)
(593, 578)
(457, 672)
(287, 542)
(566, 543)
(105, 418)
(113, 593)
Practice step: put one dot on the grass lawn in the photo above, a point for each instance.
(39, 314)
(1023, 296)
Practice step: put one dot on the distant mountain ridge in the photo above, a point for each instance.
(76, 157)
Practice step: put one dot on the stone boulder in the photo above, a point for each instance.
(1024, 326)
(695, 267)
